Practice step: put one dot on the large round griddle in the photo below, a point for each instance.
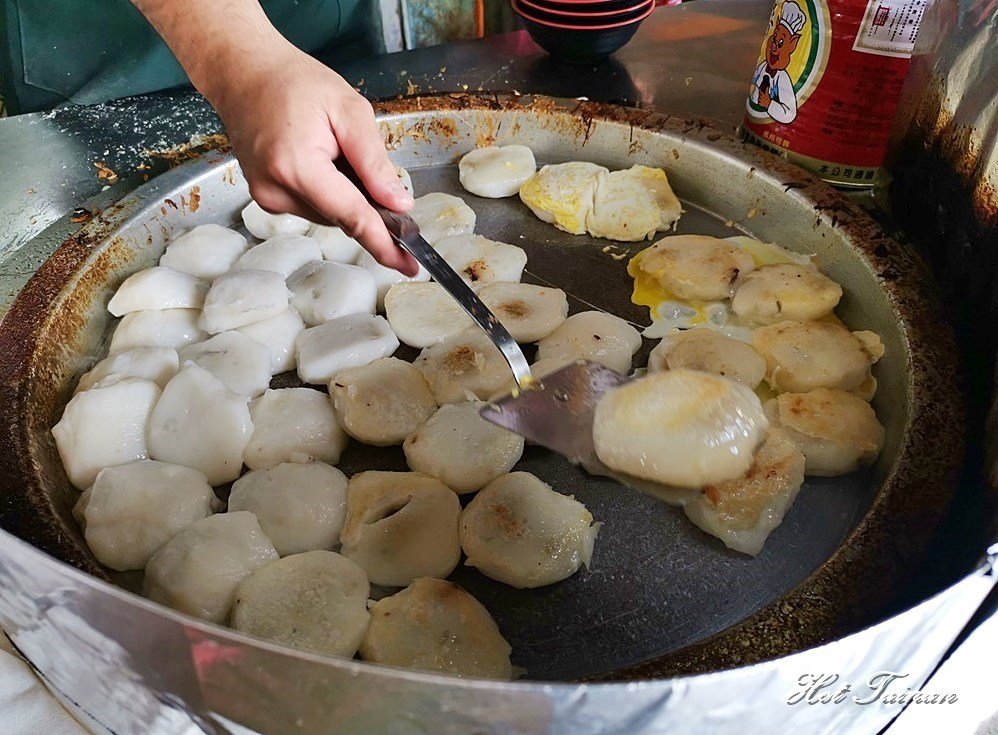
(661, 596)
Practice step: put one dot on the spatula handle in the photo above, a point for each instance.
(405, 232)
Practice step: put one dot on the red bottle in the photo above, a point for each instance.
(826, 86)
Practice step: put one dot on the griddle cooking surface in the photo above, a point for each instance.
(657, 583)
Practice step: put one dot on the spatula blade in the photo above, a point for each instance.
(559, 413)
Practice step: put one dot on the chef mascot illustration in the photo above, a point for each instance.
(772, 87)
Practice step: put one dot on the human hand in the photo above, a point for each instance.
(764, 98)
(289, 119)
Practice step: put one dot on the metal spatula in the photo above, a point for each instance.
(556, 412)
(405, 232)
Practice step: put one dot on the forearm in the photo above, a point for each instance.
(288, 118)
(214, 38)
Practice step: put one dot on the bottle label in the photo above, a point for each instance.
(791, 62)
(889, 27)
(827, 82)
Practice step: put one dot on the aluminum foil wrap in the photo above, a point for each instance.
(123, 665)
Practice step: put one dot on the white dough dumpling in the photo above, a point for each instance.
(461, 449)
(464, 367)
(836, 431)
(243, 364)
(172, 328)
(401, 526)
(198, 570)
(105, 426)
(293, 425)
(519, 531)
(784, 292)
(385, 278)
(282, 254)
(498, 171)
(696, 267)
(538, 370)
(205, 251)
(335, 245)
(633, 205)
(769, 253)
(158, 288)
(743, 512)
(679, 428)
(592, 335)
(711, 352)
(200, 423)
(802, 356)
(442, 215)
(300, 507)
(264, 225)
(157, 364)
(479, 260)
(133, 509)
(278, 334)
(434, 625)
(350, 341)
(315, 602)
(381, 403)
(243, 297)
(423, 314)
(321, 291)
(563, 194)
(529, 313)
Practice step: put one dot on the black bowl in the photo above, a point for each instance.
(542, 17)
(580, 46)
(587, 9)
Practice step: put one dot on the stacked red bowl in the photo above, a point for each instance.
(582, 31)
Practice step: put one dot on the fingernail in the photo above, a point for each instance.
(401, 192)
(409, 266)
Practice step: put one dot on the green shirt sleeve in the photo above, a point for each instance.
(57, 51)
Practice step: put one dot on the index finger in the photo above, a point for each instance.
(360, 142)
(336, 198)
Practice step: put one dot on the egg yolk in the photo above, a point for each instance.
(648, 291)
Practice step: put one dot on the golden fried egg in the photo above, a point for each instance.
(633, 205)
(563, 194)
